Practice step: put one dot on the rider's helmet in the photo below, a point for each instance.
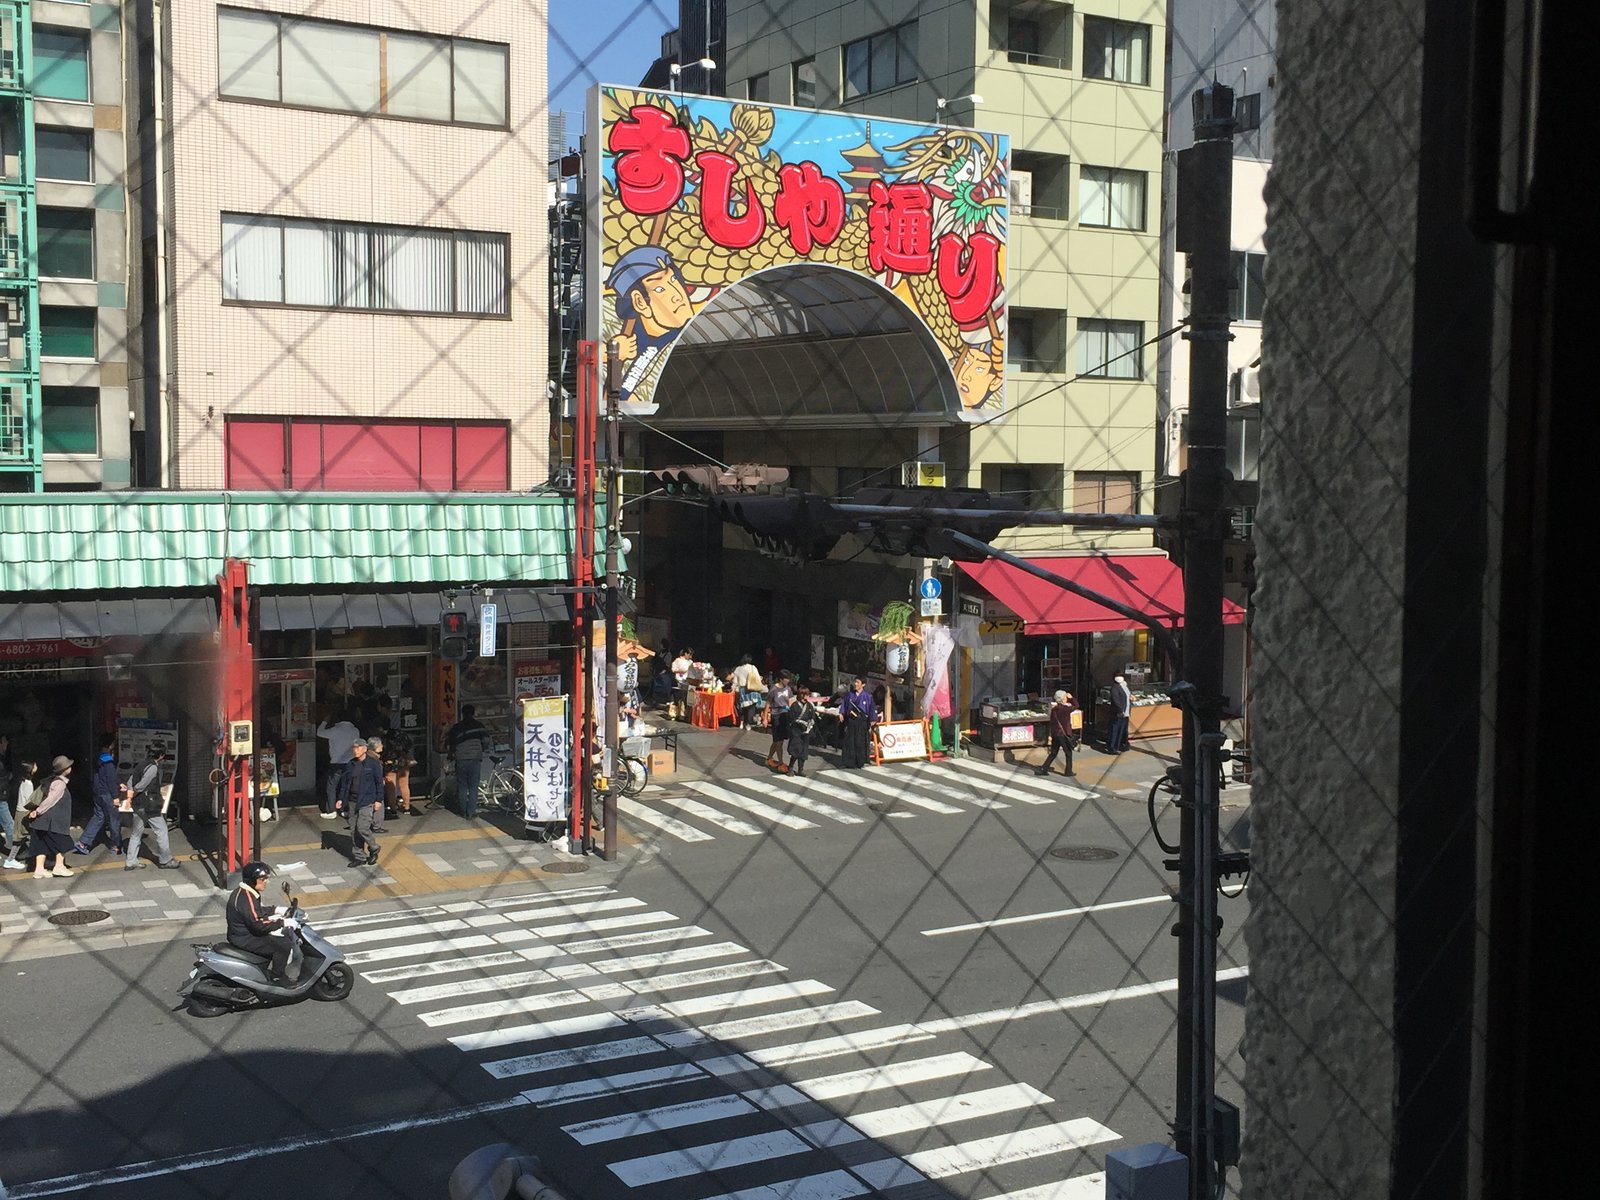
(255, 872)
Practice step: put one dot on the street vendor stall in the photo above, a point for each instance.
(1013, 723)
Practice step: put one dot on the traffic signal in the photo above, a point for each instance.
(455, 636)
(787, 523)
(923, 536)
(709, 479)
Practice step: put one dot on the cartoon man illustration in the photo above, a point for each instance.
(979, 371)
(654, 307)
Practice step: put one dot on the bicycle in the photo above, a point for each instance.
(499, 790)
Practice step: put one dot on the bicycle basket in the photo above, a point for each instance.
(636, 747)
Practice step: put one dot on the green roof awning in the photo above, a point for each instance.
(176, 540)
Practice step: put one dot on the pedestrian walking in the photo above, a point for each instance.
(341, 736)
(800, 721)
(379, 810)
(363, 800)
(147, 803)
(17, 798)
(1063, 734)
(681, 666)
(749, 693)
(50, 822)
(8, 829)
(783, 695)
(468, 742)
(106, 788)
(1121, 711)
(397, 764)
(858, 711)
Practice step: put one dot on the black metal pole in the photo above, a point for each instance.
(613, 752)
(1205, 201)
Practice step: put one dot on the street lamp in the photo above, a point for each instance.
(707, 65)
(941, 104)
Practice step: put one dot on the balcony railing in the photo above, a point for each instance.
(1035, 366)
(1026, 59)
(1042, 212)
(16, 428)
(10, 46)
(15, 261)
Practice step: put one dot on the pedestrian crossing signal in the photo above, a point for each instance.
(455, 636)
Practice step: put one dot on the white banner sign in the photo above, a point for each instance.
(545, 760)
(902, 741)
(488, 629)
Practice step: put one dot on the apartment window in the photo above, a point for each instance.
(1247, 112)
(1111, 198)
(60, 63)
(879, 62)
(1038, 484)
(360, 69)
(1247, 299)
(64, 154)
(66, 243)
(70, 420)
(1110, 349)
(805, 83)
(1105, 492)
(277, 453)
(1039, 185)
(1032, 34)
(382, 268)
(1035, 340)
(759, 87)
(67, 332)
(1118, 50)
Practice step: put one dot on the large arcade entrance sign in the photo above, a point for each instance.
(697, 194)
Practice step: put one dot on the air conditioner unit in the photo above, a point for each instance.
(1021, 192)
(1247, 385)
(921, 474)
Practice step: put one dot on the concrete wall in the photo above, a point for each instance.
(338, 166)
(1319, 1039)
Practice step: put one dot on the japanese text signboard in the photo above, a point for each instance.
(544, 759)
(699, 193)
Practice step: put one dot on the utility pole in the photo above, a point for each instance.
(612, 756)
(1205, 201)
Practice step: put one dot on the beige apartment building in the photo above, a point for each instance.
(1078, 89)
(344, 240)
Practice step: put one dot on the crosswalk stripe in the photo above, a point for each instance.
(562, 930)
(707, 1159)
(358, 958)
(391, 933)
(504, 958)
(1079, 1187)
(996, 1151)
(891, 1075)
(634, 811)
(468, 987)
(963, 1106)
(722, 974)
(518, 1005)
(798, 1018)
(755, 807)
(797, 798)
(654, 1120)
(626, 941)
(595, 889)
(950, 785)
(535, 1031)
(670, 958)
(700, 1005)
(829, 789)
(578, 1056)
(411, 914)
(846, 1043)
(832, 1185)
(576, 910)
(902, 794)
(612, 1085)
(1018, 778)
(688, 804)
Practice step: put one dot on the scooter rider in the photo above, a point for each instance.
(250, 921)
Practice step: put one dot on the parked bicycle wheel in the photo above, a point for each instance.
(632, 775)
(503, 790)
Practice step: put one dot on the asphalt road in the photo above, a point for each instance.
(1053, 1027)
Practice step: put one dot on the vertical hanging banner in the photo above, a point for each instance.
(544, 760)
(698, 194)
(488, 630)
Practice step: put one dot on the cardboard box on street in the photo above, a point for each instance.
(663, 762)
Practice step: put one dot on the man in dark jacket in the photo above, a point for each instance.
(107, 790)
(469, 741)
(1062, 733)
(364, 801)
(250, 921)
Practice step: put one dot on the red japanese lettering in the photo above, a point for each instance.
(732, 231)
(809, 206)
(652, 149)
(969, 275)
(900, 228)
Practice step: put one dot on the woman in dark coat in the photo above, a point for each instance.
(859, 712)
(50, 824)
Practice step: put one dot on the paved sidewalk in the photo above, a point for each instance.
(433, 853)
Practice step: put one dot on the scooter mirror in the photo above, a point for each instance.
(285, 887)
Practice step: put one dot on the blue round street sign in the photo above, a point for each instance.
(931, 588)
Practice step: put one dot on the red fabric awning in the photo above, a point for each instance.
(1150, 583)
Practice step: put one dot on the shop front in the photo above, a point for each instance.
(1034, 639)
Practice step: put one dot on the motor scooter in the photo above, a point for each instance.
(227, 979)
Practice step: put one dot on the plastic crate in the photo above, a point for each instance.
(636, 747)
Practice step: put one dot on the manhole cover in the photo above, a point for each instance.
(566, 868)
(79, 916)
(1083, 853)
